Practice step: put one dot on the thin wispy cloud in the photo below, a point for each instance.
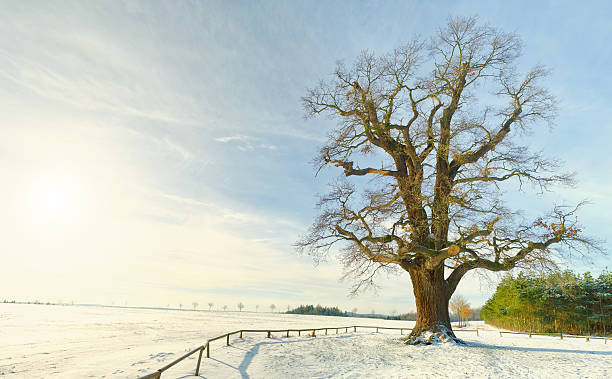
(246, 143)
(89, 92)
(232, 138)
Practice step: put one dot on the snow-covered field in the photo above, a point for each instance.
(39, 341)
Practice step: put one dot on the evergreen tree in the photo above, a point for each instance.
(560, 302)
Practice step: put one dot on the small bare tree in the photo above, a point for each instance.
(434, 126)
(465, 312)
(240, 306)
(458, 304)
(210, 305)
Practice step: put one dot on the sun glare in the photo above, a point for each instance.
(55, 198)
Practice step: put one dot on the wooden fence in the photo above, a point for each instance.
(287, 332)
(206, 346)
(561, 335)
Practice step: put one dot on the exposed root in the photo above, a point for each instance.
(428, 337)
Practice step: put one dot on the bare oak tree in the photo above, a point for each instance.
(434, 126)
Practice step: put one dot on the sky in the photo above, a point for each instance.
(156, 152)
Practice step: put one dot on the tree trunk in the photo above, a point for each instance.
(433, 321)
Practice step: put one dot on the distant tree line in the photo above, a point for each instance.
(560, 302)
(412, 316)
(335, 311)
(37, 302)
(318, 310)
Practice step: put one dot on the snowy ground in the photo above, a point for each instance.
(38, 341)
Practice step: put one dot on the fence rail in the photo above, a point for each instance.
(157, 374)
(561, 335)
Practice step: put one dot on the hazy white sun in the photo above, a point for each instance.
(55, 198)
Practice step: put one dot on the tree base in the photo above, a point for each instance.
(430, 336)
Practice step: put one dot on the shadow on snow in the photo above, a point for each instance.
(542, 349)
(252, 352)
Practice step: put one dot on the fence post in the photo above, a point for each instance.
(500, 334)
(402, 332)
(199, 360)
(477, 331)
(241, 334)
(299, 332)
(529, 335)
(208, 349)
(325, 331)
(287, 332)
(355, 331)
(227, 339)
(345, 330)
(587, 338)
(376, 330)
(561, 335)
(268, 334)
(336, 330)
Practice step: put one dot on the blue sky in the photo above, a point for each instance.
(156, 152)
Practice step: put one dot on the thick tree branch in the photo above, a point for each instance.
(349, 170)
